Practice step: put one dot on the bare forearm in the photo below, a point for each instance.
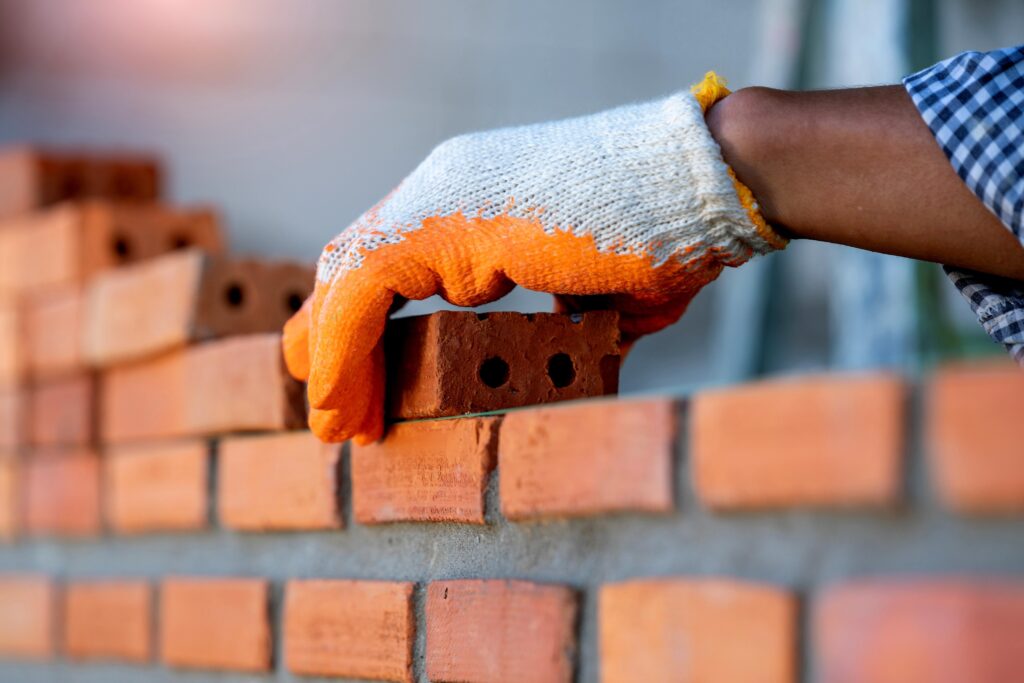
(859, 167)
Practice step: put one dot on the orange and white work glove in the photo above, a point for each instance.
(633, 207)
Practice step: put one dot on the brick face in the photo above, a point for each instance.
(10, 497)
(589, 458)
(53, 332)
(201, 297)
(13, 420)
(236, 384)
(122, 324)
(500, 632)
(34, 178)
(353, 629)
(812, 441)
(501, 360)
(157, 487)
(215, 624)
(62, 412)
(278, 482)
(62, 493)
(425, 472)
(27, 616)
(70, 243)
(12, 345)
(973, 438)
(108, 620)
(685, 630)
(927, 631)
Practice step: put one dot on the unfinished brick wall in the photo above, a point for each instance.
(832, 528)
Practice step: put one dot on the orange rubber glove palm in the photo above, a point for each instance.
(634, 207)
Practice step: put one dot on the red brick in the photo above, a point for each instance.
(425, 472)
(589, 458)
(27, 616)
(686, 630)
(12, 343)
(974, 443)
(157, 487)
(278, 482)
(457, 362)
(215, 624)
(13, 419)
(200, 297)
(810, 441)
(10, 498)
(236, 384)
(53, 332)
(70, 243)
(62, 493)
(920, 631)
(500, 632)
(352, 629)
(33, 178)
(108, 620)
(62, 412)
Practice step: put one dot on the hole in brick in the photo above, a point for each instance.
(293, 301)
(234, 295)
(481, 316)
(180, 240)
(71, 185)
(530, 317)
(561, 370)
(125, 185)
(494, 372)
(122, 247)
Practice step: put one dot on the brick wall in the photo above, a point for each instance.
(172, 521)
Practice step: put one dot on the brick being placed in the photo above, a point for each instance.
(157, 487)
(231, 385)
(430, 471)
(33, 178)
(107, 620)
(61, 493)
(53, 331)
(456, 362)
(278, 482)
(215, 623)
(62, 412)
(706, 629)
(494, 631)
(28, 612)
(69, 243)
(201, 297)
(353, 629)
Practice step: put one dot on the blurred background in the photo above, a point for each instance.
(293, 117)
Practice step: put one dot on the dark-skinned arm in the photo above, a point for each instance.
(859, 167)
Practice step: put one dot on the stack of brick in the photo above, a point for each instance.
(831, 528)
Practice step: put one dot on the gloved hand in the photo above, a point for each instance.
(633, 207)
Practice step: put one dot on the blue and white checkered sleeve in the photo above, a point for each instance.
(974, 105)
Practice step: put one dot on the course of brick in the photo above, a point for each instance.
(163, 508)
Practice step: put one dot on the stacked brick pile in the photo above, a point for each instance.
(830, 528)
